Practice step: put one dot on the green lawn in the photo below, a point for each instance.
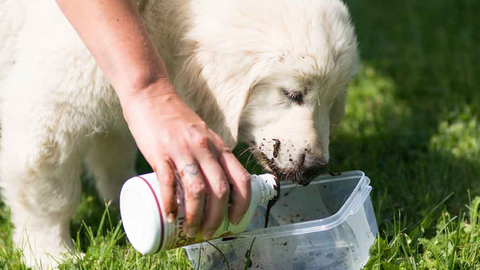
(411, 124)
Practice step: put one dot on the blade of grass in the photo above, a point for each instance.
(249, 252)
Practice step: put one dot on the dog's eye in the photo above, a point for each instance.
(294, 96)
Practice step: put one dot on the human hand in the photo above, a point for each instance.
(170, 135)
(173, 138)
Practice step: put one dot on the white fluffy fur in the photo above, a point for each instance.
(229, 60)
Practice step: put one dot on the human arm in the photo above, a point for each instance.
(170, 135)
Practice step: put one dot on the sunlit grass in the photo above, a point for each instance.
(411, 125)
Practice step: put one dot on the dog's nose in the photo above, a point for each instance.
(313, 165)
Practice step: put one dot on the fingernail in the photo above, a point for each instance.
(237, 220)
(171, 218)
(192, 232)
(207, 235)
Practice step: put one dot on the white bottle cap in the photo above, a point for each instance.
(141, 213)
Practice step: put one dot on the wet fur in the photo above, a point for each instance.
(293, 174)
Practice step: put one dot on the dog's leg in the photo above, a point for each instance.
(40, 169)
(111, 160)
(40, 164)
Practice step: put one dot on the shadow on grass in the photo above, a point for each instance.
(411, 120)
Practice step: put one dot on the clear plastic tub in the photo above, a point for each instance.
(329, 224)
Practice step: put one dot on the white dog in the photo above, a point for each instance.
(271, 73)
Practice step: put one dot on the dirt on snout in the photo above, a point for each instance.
(276, 147)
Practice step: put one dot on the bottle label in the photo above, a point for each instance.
(181, 239)
(175, 235)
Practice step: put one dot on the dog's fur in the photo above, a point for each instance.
(234, 62)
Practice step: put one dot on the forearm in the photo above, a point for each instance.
(116, 36)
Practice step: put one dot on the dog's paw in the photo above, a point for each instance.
(44, 255)
(46, 261)
(40, 260)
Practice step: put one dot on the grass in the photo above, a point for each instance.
(411, 125)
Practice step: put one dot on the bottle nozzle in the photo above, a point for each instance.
(274, 200)
(277, 189)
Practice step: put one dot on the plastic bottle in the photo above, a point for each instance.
(147, 228)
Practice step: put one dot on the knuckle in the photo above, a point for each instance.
(196, 189)
(219, 141)
(202, 141)
(244, 178)
(203, 126)
(167, 179)
(222, 190)
(196, 127)
(225, 149)
(190, 218)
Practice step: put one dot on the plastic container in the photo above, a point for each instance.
(329, 224)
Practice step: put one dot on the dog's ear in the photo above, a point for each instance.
(232, 97)
(337, 111)
(232, 100)
(217, 89)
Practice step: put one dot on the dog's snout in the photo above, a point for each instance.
(313, 165)
(314, 160)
